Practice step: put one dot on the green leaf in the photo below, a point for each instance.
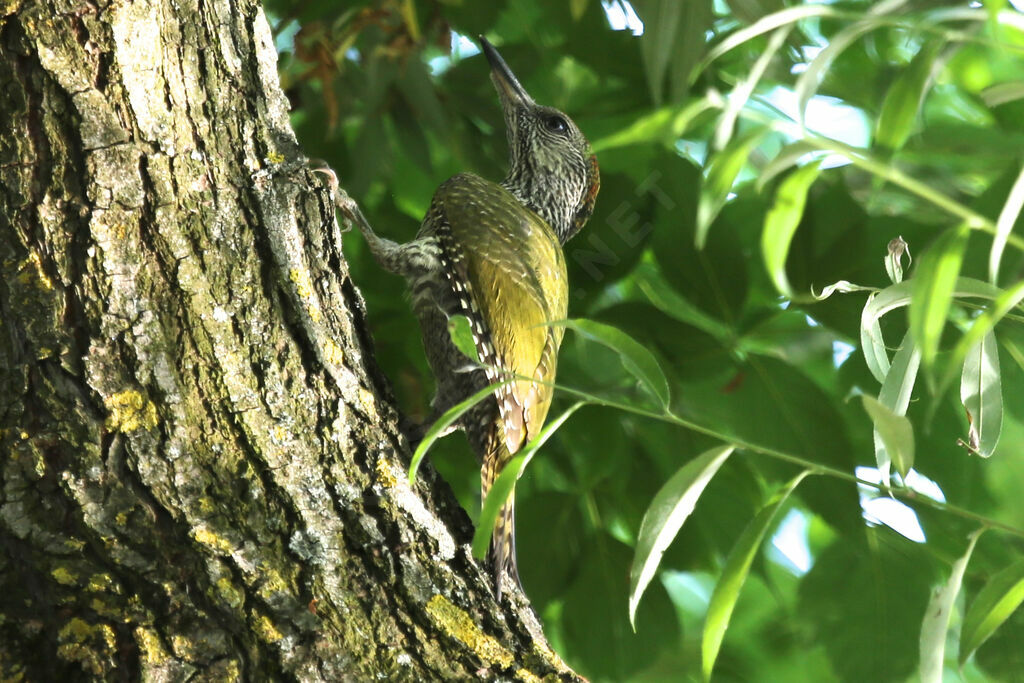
(782, 220)
(577, 8)
(591, 620)
(936, 618)
(872, 343)
(666, 514)
(895, 395)
(895, 432)
(1001, 93)
(691, 44)
(1004, 225)
(661, 22)
(440, 428)
(500, 490)
(895, 296)
(995, 602)
(461, 332)
(787, 156)
(635, 357)
(784, 17)
(982, 397)
(737, 566)
(903, 101)
(903, 180)
(506, 481)
(664, 125)
(807, 83)
(665, 298)
(899, 381)
(863, 600)
(934, 283)
(982, 326)
(722, 172)
(742, 91)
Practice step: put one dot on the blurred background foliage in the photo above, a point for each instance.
(699, 112)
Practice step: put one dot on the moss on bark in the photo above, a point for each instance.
(201, 470)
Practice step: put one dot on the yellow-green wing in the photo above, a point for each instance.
(516, 270)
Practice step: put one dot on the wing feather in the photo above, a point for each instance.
(516, 272)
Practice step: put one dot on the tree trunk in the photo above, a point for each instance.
(202, 474)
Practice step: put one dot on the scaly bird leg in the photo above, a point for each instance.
(390, 255)
(417, 261)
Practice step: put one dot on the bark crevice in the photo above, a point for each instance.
(203, 474)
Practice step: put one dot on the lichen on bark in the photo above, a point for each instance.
(201, 469)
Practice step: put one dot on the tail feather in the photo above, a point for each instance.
(502, 553)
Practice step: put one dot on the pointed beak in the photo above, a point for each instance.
(509, 89)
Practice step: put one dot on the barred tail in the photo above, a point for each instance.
(501, 556)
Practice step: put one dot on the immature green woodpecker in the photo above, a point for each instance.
(493, 253)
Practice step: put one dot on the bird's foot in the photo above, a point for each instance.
(342, 202)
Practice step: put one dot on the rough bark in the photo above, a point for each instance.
(201, 470)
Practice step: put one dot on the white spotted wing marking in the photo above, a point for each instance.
(510, 410)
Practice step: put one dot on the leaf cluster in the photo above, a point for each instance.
(745, 313)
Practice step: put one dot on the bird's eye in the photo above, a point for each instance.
(556, 124)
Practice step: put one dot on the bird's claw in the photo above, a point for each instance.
(342, 202)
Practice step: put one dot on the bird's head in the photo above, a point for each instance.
(551, 167)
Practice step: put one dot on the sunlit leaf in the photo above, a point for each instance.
(895, 393)
(934, 284)
(936, 618)
(903, 100)
(899, 381)
(742, 91)
(895, 431)
(635, 357)
(811, 77)
(995, 602)
(781, 221)
(872, 343)
(737, 566)
(1004, 225)
(896, 296)
(893, 174)
(982, 326)
(665, 516)
(663, 125)
(790, 15)
(781, 162)
(982, 396)
(461, 332)
(1001, 93)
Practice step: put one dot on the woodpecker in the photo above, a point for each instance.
(493, 253)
